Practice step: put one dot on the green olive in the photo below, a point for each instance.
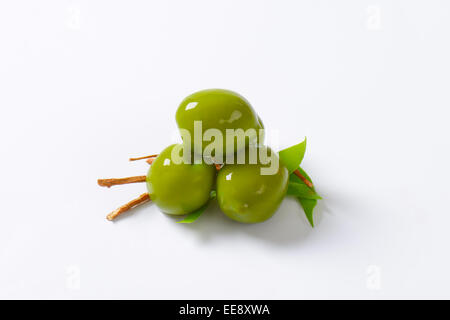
(218, 109)
(245, 195)
(179, 189)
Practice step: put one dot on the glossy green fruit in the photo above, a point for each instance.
(218, 109)
(245, 195)
(179, 189)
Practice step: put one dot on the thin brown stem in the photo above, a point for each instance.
(145, 157)
(112, 182)
(306, 181)
(143, 198)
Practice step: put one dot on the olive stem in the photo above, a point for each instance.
(112, 182)
(145, 157)
(143, 198)
(306, 181)
(150, 161)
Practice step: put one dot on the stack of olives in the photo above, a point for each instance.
(243, 192)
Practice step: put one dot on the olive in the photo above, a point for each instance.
(246, 195)
(177, 187)
(221, 110)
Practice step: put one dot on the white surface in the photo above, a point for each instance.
(86, 84)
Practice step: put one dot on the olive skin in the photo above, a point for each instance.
(179, 189)
(245, 195)
(217, 109)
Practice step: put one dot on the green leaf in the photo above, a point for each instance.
(307, 204)
(293, 156)
(191, 217)
(294, 178)
(302, 190)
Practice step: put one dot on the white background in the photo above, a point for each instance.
(86, 84)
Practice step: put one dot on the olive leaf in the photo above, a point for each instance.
(191, 217)
(301, 190)
(306, 203)
(293, 156)
(308, 206)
